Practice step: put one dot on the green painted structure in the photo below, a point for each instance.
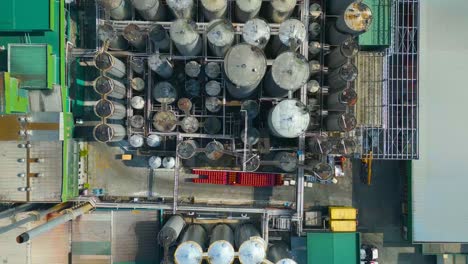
(379, 34)
(39, 27)
(333, 248)
(14, 99)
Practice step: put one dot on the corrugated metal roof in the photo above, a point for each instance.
(53, 247)
(10, 168)
(439, 178)
(333, 248)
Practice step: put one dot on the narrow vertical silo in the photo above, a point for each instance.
(110, 110)
(214, 9)
(107, 32)
(158, 35)
(165, 121)
(256, 32)
(343, 53)
(341, 122)
(135, 36)
(288, 119)
(151, 10)
(244, 65)
(107, 86)
(137, 102)
(289, 72)
(136, 140)
(161, 65)
(279, 253)
(341, 76)
(280, 10)
(252, 247)
(118, 9)
(212, 70)
(109, 132)
(137, 121)
(185, 37)
(164, 92)
(214, 150)
(247, 9)
(137, 64)
(220, 35)
(190, 249)
(189, 124)
(292, 33)
(192, 69)
(213, 88)
(340, 100)
(171, 230)
(109, 64)
(221, 249)
(182, 9)
(137, 84)
(153, 140)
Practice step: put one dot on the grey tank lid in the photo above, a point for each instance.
(132, 32)
(104, 61)
(349, 48)
(104, 108)
(290, 70)
(137, 121)
(252, 251)
(157, 33)
(256, 32)
(103, 85)
(283, 5)
(188, 253)
(248, 5)
(192, 69)
(289, 118)
(103, 132)
(136, 140)
(220, 32)
(212, 88)
(106, 32)
(245, 65)
(292, 30)
(164, 93)
(221, 252)
(184, 32)
(348, 72)
(212, 70)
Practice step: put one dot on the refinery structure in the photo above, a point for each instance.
(197, 131)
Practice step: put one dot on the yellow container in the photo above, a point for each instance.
(343, 225)
(342, 213)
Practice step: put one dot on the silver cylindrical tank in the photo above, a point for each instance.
(247, 9)
(313, 86)
(137, 121)
(150, 9)
(171, 230)
(165, 121)
(212, 70)
(252, 248)
(289, 119)
(253, 136)
(339, 78)
(286, 161)
(159, 36)
(279, 10)
(315, 48)
(136, 140)
(137, 84)
(244, 65)
(279, 254)
(213, 88)
(212, 125)
(221, 250)
(168, 162)
(192, 88)
(107, 86)
(153, 141)
(118, 9)
(339, 101)
(292, 33)
(213, 104)
(187, 149)
(182, 9)
(220, 35)
(251, 107)
(135, 36)
(109, 132)
(192, 69)
(116, 41)
(214, 150)
(161, 65)
(185, 37)
(137, 102)
(341, 122)
(314, 30)
(213, 9)
(289, 72)
(315, 10)
(109, 64)
(185, 105)
(137, 64)
(341, 54)
(189, 124)
(164, 93)
(154, 162)
(190, 251)
(110, 110)
(315, 67)
(256, 32)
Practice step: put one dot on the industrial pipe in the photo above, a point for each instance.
(70, 214)
(15, 210)
(33, 216)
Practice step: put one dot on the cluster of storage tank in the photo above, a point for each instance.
(220, 245)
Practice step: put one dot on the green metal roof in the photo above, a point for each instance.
(333, 248)
(379, 32)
